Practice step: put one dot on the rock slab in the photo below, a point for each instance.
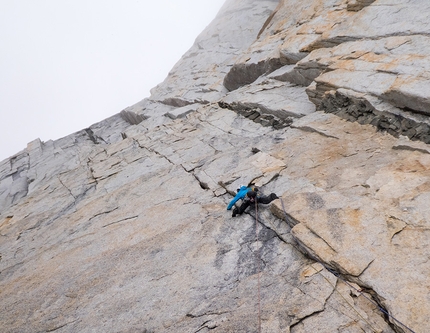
(123, 227)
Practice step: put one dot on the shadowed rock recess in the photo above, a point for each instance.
(123, 227)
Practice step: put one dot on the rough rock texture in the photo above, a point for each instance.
(122, 227)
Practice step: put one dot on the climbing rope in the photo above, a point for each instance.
(258, 265)
(359, 291)
(346, 301)
(368, 298)
(334, 287)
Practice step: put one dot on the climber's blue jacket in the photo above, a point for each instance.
(240, 195)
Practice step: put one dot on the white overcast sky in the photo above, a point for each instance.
(67, 64)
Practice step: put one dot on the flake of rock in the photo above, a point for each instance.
(149, 111)
(271, 97)
(356, 5)
(318, 123)
(132, 117)
(183, 111)
(391, 68)
(383, 18)
(405, 144)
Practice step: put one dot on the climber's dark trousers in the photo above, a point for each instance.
(265, 199)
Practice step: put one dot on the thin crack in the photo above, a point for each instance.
(308, 316)
(61, 326)
(103, 213)
(313, 130)
(59, 179)
(190, 315)
(157, 153)
(123, 220)
(162, 277)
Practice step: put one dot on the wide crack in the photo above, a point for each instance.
(348, 279)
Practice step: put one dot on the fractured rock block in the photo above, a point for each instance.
(182, 111)
(357, 5)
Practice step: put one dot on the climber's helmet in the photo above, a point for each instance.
(252, 195)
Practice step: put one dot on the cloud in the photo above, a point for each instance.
(65, 65)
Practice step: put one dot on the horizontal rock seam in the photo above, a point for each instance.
(257, 116)
(359, 110)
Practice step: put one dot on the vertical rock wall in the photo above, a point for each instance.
(123, 227)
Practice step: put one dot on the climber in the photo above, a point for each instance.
(241, 193)
(253, 198)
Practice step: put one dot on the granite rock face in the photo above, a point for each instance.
(123, 227)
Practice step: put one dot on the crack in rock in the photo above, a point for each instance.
(103, 213)
(190, 315)
(313, 130)
(300, 320)
(60, 326)
(94, 138)
(125, 219)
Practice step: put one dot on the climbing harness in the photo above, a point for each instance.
(259, 266)
(385, 312)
